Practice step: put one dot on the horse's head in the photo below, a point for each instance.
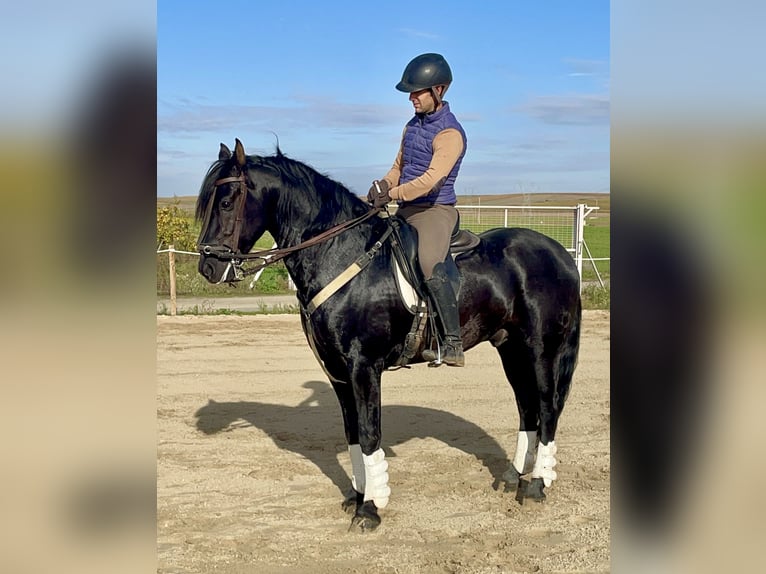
(233, 208)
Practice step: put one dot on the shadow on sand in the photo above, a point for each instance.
(314, 429)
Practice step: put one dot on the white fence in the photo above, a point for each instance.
(564, 224)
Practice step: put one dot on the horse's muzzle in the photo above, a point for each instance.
(217, 270)
(207, 269)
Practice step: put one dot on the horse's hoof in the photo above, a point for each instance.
(352, 501)
(366, 518)
(364, 523)
(534, 490)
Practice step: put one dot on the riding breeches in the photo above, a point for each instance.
(434, 224)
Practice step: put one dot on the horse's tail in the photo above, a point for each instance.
(566, 358)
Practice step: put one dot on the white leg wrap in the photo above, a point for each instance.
(357, 467)
(526, 449)
(545, 462)
(376, 478)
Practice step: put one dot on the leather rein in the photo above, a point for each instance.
(229, 250)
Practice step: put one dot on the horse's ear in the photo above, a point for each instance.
(224, 153)
(239, 151)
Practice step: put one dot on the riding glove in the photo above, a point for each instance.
(379, 199)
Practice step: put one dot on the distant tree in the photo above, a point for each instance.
(174, 227)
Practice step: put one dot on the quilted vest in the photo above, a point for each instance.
(417, 151)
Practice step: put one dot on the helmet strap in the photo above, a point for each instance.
(438, 98)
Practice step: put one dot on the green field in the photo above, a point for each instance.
(597, 240)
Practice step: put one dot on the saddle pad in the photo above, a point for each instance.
(406, 290)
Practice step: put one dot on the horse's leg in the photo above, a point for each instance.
(540, 398)
(355, 496)
(366, 388)
(543, 474)
(555, 360)
(519, 370)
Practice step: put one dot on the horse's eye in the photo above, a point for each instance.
(225, 204)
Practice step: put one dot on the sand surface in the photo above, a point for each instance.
(252, 461)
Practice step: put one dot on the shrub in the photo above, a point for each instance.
(174, 227)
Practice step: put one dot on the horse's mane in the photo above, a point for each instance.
(207, 188)
(319, 189)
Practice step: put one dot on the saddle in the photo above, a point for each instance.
(407, 268)
(410, 281)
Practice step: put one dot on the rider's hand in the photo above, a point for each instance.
(379, 199)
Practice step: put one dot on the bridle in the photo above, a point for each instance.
(228, 250)
(229, 245)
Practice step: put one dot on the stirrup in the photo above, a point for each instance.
(434, 358)
(437, 359)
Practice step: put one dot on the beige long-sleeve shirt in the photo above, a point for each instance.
(447, 147)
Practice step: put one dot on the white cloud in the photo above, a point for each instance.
(301, 112)
(412, 33)
(581, 67)
(573, 109)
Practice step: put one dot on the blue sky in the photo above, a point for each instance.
(531, 88)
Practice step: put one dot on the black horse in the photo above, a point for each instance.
(519, 290)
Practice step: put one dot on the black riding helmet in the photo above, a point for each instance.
(425, 71)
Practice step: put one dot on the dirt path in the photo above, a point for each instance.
(252, 461)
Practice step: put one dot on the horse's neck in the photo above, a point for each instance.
(312, 268)
(292, 223)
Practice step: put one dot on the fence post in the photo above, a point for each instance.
(172, 266)
(579, 238)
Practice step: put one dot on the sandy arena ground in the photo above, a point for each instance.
(252, 461)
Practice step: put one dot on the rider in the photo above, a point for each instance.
(422, 181)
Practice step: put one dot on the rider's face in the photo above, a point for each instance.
(423, 101)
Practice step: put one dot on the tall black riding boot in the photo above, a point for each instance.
(445, 303)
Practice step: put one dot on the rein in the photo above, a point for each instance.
(268, 256)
